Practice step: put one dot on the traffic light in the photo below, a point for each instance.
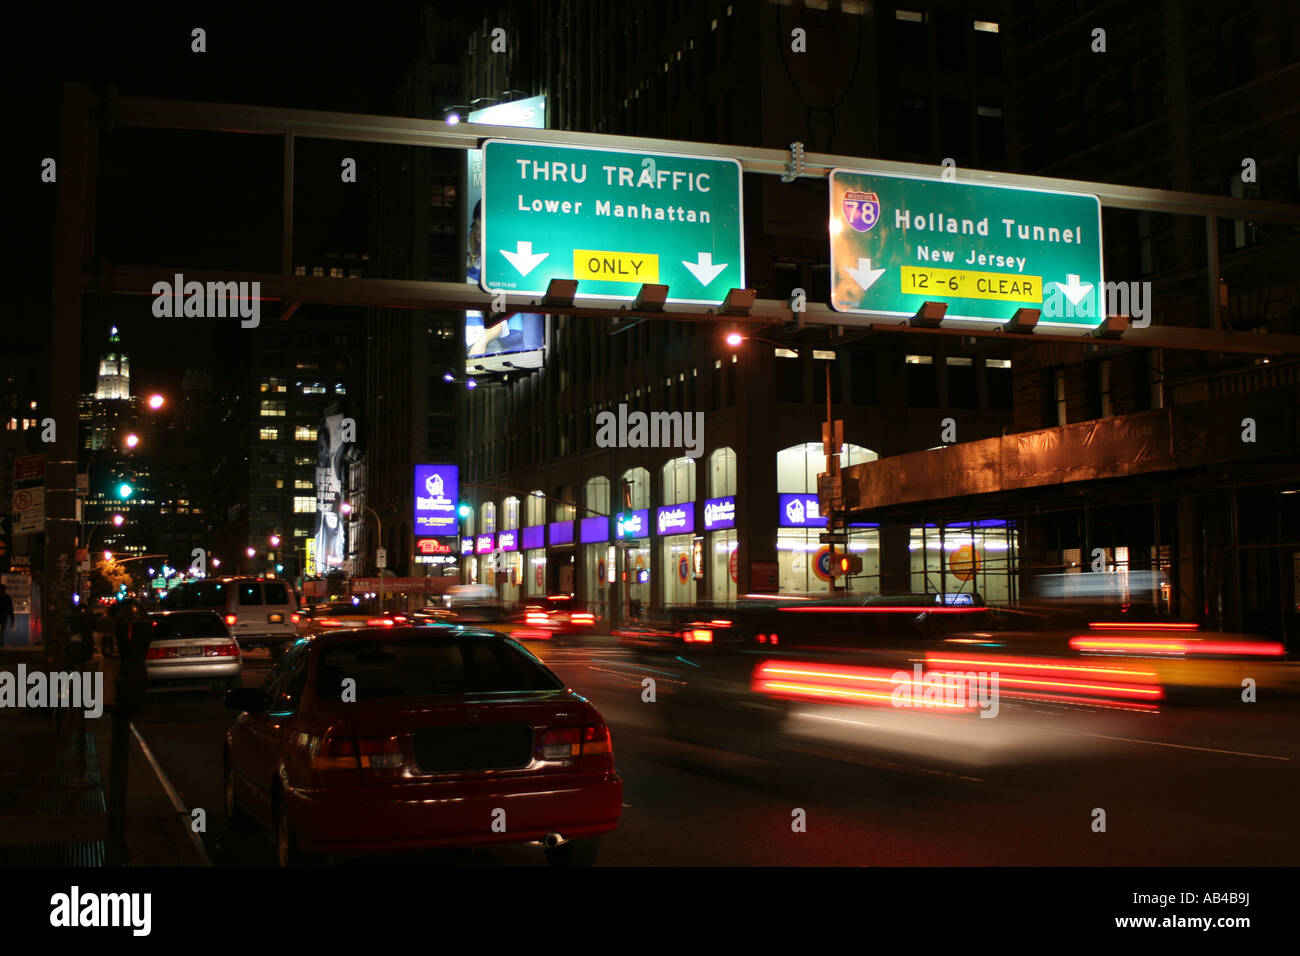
(464, 510)
(124, 491)
(847, 564)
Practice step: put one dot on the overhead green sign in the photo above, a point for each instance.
(987, 251)
(612, 219)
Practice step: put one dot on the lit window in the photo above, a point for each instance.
(828, 354)
(304, 504)
(959, 360)
(272, 409)
(909, 16)
(856, 7)
(268, 434)
(300, 270)
(302, 483)
(304, 433)
(986, 26)
(336, 272)
(785, 353)
(279, 482)
(919, 360)
(998, 363)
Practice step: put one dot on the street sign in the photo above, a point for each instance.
(29, 469)
(898, 242)
(832, 537)
(381, 557)
(29, 510)
(612, 219)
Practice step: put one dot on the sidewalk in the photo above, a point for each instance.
(49, 817)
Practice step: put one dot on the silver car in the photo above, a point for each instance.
(193, 647)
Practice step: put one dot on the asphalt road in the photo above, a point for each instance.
(1187, 786)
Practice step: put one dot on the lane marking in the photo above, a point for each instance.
(177, 804)
(1160, 743)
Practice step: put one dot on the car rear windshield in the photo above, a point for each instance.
(250, 593)
(276, 592)
(430, 666)
(173, 626)
(205, 594)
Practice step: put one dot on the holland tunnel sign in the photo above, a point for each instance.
(612, 219)
(987, 251)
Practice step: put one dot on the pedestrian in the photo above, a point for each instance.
(7, 619)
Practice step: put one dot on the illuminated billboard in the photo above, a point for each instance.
(436, 488)
(517, 342)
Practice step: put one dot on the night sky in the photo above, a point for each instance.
(208, 199)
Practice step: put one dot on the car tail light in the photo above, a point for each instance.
(347, 753)
(232, 619)
(380, 753)
(330, 622)
(230, 649)
(536, 618)
(697, 636)
(581, 617)
(295, 618)
(160, 653)
(334, 753)
(587, 741)
(379, 622)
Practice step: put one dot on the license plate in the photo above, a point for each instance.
(276, 618)
(190, 652)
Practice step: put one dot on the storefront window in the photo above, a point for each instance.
(536, 508)
(977, 556)
(593, 534)
(803, 560)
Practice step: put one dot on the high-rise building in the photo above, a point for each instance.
(740, 509)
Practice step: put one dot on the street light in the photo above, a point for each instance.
(118, 520)
(251, 551)
(132, 440)
(156, 401)
(275, 541)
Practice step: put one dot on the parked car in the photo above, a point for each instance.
(444, 729)
(192, 647)
(262, 612)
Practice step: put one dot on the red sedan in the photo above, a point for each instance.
(392, 739)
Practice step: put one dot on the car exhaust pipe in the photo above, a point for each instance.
(552, 840)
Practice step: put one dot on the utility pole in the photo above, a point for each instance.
(830, 490)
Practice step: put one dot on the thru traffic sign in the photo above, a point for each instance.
(898, 242)
(612, 219)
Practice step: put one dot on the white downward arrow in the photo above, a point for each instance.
(523, 257)
(1074, 289)
(704, 270)
(864, 275)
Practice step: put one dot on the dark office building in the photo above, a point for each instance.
(740, 511)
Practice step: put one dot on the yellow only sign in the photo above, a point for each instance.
(633, 267)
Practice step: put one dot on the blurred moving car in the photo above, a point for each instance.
(340, 615)
(192, 647)
(448, 726)
(474, 602)
(556, 614)
(262, 612)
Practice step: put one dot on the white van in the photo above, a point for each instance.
(261, 612)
